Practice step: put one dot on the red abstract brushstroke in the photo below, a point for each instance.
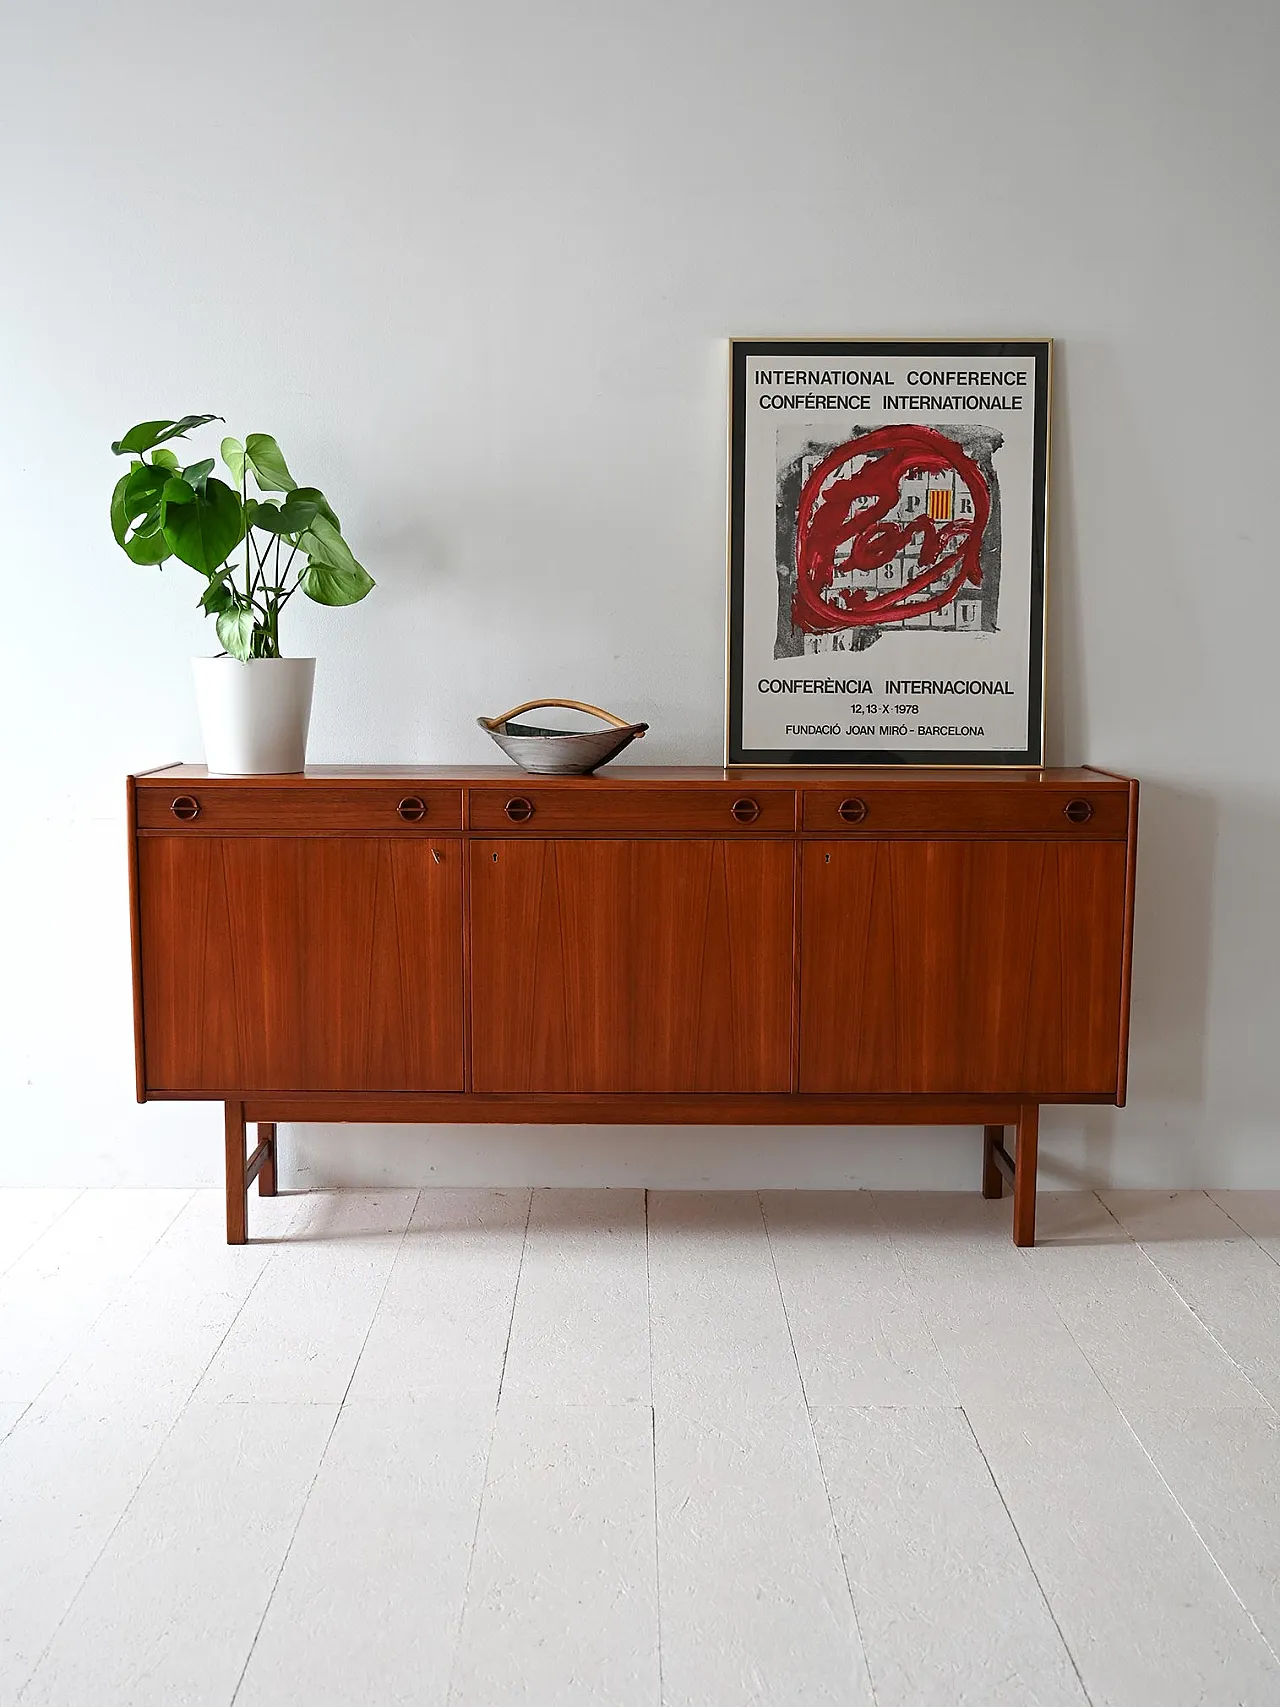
(853, 509)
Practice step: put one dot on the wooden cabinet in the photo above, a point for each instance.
(621, 966)
(967, 966)
(282, 962)
(676, 945)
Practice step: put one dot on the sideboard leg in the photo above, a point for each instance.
(1024, 1181)
(992, 1179)
(267, 1172)
(237, 1184)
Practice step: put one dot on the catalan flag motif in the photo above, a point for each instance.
(940, 504)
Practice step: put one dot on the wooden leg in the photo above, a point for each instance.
(267, 1172)
(237, 1184)
(1024, 1182)
(992, 1178)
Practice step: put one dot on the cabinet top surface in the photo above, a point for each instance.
(814, 776)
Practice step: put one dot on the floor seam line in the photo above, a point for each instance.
(125, 1279)
(1248, 1235)
(1190, 1308)
(817, 1453)
(1195, 1530)
(1026, 1554)
(653, 1442)
(45, 1231)
(488, 1461)
(324, 1453)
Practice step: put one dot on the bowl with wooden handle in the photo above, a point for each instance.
(560, 752)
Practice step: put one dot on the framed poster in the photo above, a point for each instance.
(887, 518)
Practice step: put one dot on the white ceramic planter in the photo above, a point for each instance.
(254, 716)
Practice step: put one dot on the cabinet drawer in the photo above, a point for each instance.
(407, 807)
(986, 809)
(591, 811)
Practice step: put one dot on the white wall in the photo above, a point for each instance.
(474, 266)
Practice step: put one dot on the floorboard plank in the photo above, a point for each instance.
(52, 1295)
(999, 1337)
(443, 1322)
(1144, 1342)
(170, 1610)
(719, 1329)
(1223, 1466)
(859, 1334)
(300, 1336)
(562, 1602)
(369, 1602)
(580, 1332)
(70, 1466)
(755, 1606)
(1223, 1275)
(950, 1610)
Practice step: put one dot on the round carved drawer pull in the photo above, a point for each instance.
(1079, 811)
(745, 811)
(852, 811)
(411, 808)
(519, 810)
(186, 807)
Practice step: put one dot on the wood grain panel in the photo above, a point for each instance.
(961, 967)
(608, 809)
(712, 934)
(988, 808)
(303, 963)
(601, 966)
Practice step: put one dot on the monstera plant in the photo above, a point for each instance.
(254, 552)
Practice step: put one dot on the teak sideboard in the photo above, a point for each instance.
(674, 945)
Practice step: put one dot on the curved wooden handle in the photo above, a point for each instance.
(564, 705)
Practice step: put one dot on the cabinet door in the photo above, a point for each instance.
(631, 965)
(307, 963)
(955, 966)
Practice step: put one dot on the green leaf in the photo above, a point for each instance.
(164, 459)
(264, 457)
(143, 488)
(332, 577)
(119, 515)
(202, 528)
(325, 544)
(235, 631)
(313, 495)
(198, 473)
(233, 456)
(288, 518)
(330, 586)
(148, 544)
(218, 596)
(136, 502)
(147, 434)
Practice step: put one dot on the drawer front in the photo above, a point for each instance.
(633, 811)
(406, 807)
(987, 809)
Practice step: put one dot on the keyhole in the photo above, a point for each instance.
(495, 859)
(826, 859)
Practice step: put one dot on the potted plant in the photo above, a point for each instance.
(254, 554)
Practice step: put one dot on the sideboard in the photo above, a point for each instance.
(647, 945)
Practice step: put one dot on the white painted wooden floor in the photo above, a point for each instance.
(482, 1447)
